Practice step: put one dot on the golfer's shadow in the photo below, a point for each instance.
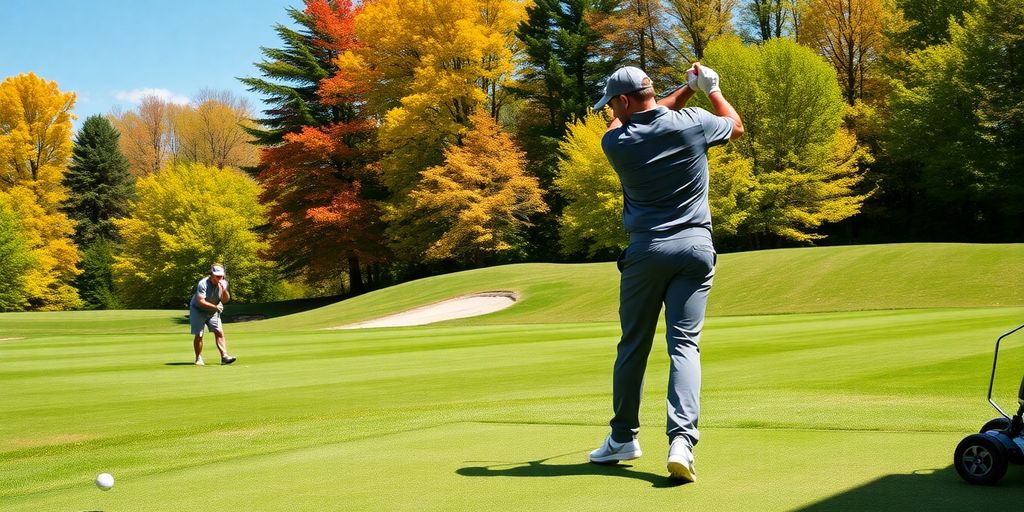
(538, 468)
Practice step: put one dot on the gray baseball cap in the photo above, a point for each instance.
(624, 81)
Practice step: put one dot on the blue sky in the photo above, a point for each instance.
(110, 52)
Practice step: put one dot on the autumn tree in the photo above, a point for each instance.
(698, 22)
(591, 221)
(805, 167)
(762, 20)
(146, 134)
(15, 261)
(479, 201)
(186, 217)
(319, 185)
(212, 131)
(638, 33)
(292, 74)
(850, 35)
(35, 145)
(430, 65)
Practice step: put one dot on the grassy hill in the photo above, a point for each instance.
(803, 280)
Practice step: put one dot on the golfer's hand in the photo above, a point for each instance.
(691, 77)
(224, 284)
(707, 79)
(220, 308)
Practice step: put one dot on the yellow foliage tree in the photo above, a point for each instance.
(479, 202)
(211, 131)
(187, 217)
(430, 64)
(698, 22)
(35, 146)
(592, 217)
(850, 34)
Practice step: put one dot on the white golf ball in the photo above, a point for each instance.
(105, 481)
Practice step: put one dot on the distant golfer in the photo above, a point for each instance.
(659, 150)
(204, 311)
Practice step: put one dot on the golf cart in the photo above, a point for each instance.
(983, 458)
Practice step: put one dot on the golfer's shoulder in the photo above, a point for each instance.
(690, 115)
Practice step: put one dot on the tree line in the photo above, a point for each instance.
(401, 138)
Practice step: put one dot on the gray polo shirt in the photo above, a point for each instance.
(661, 158)
(208, 290)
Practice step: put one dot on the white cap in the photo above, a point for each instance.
(217, 270)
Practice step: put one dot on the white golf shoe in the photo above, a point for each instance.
(611, 452)
(199, 361)
(680, 461)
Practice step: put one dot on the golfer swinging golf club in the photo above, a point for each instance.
(659, 150)
(204, 311)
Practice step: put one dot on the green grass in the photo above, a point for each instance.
(856, 408)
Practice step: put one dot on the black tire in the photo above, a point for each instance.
(995, 424)
(980, 459)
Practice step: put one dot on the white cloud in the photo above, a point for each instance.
(136, 95)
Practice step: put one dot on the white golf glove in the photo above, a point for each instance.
(691, 79)
(707, 80)
(220, 308)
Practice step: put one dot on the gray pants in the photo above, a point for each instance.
(675, 270)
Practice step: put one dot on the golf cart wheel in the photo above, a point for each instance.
(979, 459)
(995, 424)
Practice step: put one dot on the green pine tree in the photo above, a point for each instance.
(567, 62)
(100, 189)
(292, 75)
(98, 182)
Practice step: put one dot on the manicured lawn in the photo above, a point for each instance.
(845, 410)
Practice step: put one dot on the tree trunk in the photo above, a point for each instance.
(355, 276)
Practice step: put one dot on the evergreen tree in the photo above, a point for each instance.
(98, 182)
(96, 282)
(566, 64)
(292, 77)
(309, 97)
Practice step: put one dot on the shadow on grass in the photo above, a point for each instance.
(538, 468)
(180, 364)
(932, 490)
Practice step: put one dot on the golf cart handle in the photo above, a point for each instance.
(991, 382)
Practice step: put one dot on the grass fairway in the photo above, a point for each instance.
(851, 409)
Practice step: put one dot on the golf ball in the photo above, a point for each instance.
(105, 481)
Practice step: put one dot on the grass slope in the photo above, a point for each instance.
(804, 280)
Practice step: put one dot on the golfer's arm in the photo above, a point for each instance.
(224, 295)
(724, 108)
(678, 98)
(203, 303)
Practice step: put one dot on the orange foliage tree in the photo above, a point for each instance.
(316, 171)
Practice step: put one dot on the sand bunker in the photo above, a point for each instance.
(459, 307)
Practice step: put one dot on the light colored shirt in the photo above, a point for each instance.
(206, 289)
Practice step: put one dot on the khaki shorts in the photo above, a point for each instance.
(198, 319)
